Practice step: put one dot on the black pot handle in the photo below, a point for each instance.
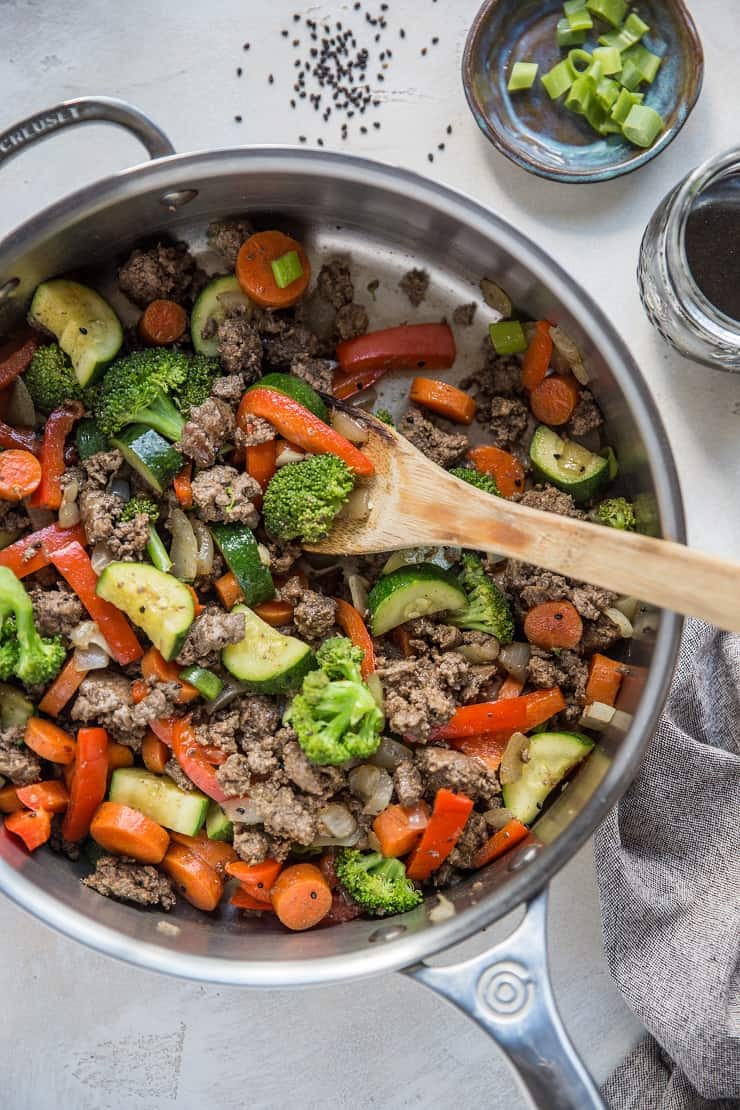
(84, 109)
(507, 991)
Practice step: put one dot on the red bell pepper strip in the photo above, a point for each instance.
(408, 347)
(351, 623)
(257, 879)
(51, 796)
(183, 486)
(541, 705)
(261, 462)
(24, 438)
(189, 755)
(243, 900)
(162, 728)
(15, 357)
(28, 554)
(449, 816)
(489, 746)
(75, 567)
(89, 782)
(507, 715)
(58, 426)
(500, 842)
(301, 427)
(345, 386)
(32, 826)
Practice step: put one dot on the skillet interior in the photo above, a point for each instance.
(388, 220)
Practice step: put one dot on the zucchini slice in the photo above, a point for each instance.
(212, 304)
(300, 391)
(241, 552)
(82, 322)
(552, 756)
(154, 601)
(149, 454)
(266, 661)
(569, 466)
(157, 797)
(412, 591)
(89, 438)
(218, 825)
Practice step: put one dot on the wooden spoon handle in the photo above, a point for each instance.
(665, 573)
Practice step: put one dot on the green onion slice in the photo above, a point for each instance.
(613, 11)
(205, 682)
(522, 76)
(643, 125)
(568, 37)
(610, 58)
(580, 20)
(559, 79)
(287, 269)
(508, 337)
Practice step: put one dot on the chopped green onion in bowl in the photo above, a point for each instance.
(522, 76)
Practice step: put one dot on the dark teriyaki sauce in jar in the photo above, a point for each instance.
(712, 240)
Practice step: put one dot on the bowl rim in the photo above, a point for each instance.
(179, 171)
(496, 136)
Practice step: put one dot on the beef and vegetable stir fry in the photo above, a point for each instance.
(196, 705)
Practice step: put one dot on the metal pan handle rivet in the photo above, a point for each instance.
(386, 932)
(525, 856)
(178, 198)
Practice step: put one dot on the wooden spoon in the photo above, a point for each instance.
(413, 502)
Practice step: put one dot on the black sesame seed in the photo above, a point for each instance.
(239, 71)
(423, 51)
(285, 34)
(430, 157)
(246, 46)
(440, 146)
(296, 18)
(320, 142)
(271, 80)
(376, 125)
(237, 119)
(449, 128)
(435, 40)
(301, 138)
(402, 33)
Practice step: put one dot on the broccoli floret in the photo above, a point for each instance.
(378, 884)
(202, 372)
(474, 478)
(617, 512)
(23, 653)
(335, 717)
(135, 391)
(385, 416)
(138, 506)
(487, 609)
(51, 380)
(303, 498)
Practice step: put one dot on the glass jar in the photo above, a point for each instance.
(672, 298)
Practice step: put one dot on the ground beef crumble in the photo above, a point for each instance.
(464, 315)
(164, 272)
(508, 422)
(226, 237)
(334, 283)
(313, 613)
(17, 762)
(420, 693)
(586, 416)
(317, 372)
(415, 284)
(240, 347)
(443, 448)
(211, 631)
(222, 493)
(550, 500)
(206, 430)
(56, 612)
(352, 320)
(131, 882)
(440, 767)
(104, 698)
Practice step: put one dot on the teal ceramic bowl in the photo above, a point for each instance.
(541, 136)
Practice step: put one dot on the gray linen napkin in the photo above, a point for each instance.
(668, 868)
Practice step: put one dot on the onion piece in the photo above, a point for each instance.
(21, 412)
(184, 548)
(496, 298)
(335, 820)
(498, 818)
(232, 689)
(69, 511)
(204, 540)
(241, 810)
(442, 911)
(235, 299)
(87, 634)
(373, 786)
(628, 606)
(567, 348)
(375, 686)
(338, 841)
(264, 554)
(100, 557)
(358, 588)
(348, 427)
(390, 753)
(91, 658)
(616, 616)
(358, 505)
(510, 768)
(288, 455)
(487, 652)
(514, 658)
(597, 716)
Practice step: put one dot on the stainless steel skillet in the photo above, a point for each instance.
(387, 219)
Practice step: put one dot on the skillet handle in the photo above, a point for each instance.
(84, 109)
(507, 991)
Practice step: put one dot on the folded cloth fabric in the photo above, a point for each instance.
(668, 868)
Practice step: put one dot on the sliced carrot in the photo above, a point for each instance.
(33, 827)
(49, 741)
(261, 462)
(20, 474)
(257, 879)
(604, 679)
(229, 590)
(88, 784)
(127, 832)
(350, 621)
(154, 753)
(511, 687)
(216, 853)
(507, 471)
(162, 322)
(400, 828)
(154, 665)
(553, 400)
(444, 399)
(183, 486)
(275, 613)
(64, 686)
(9, 799)
(537, 358)
(254, 269)
(500, 842)
(449, 817)
(51, 796)
(119, 756)
(301, 896)
(554, 624)
(489, 747)
(194, 879)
